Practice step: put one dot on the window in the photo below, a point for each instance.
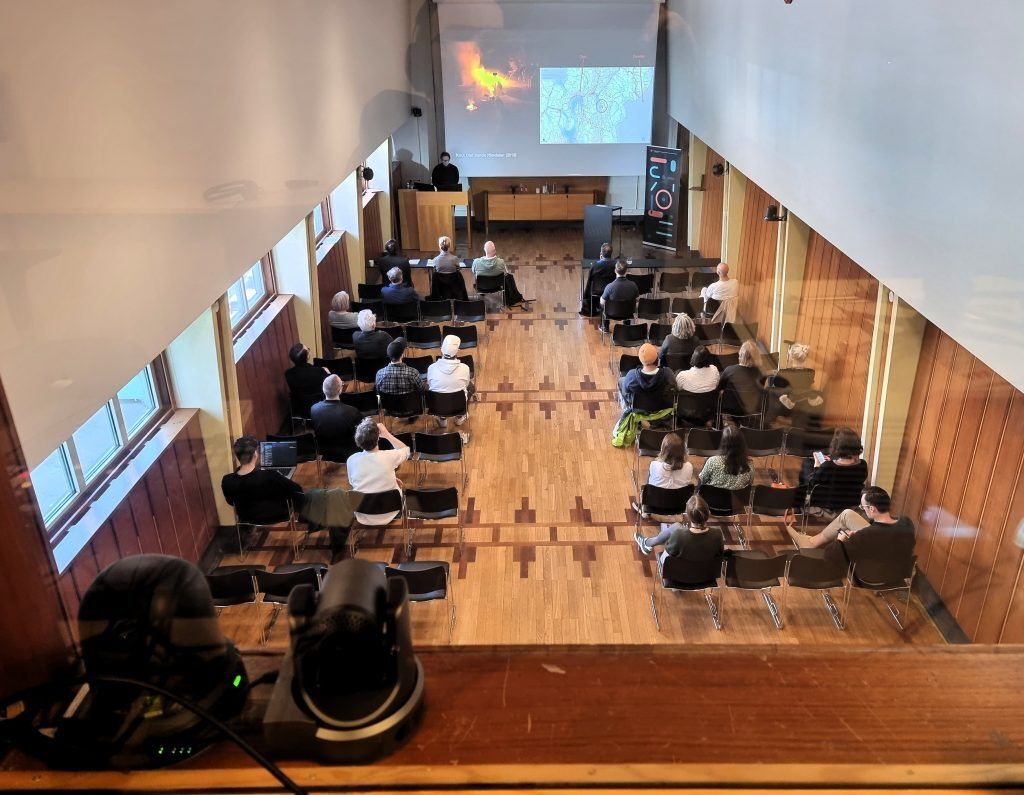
(75, 469)
(322, 222)
(249, 294)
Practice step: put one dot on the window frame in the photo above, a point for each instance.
(87, 488)
(325, 210)
(266, 263)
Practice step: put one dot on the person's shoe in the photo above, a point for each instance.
(462, 419)
(816, 401)
(465, 437)
(641, 543)
(442, 422)
(799, 539)
(787, 401)
(476, 397)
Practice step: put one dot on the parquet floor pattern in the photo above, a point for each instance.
(549, 556)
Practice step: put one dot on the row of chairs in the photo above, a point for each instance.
(417, 336)
(635, 334)
(445, 310)
(420, 504)
(754, 571)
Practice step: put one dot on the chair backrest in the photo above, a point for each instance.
(381, 502)
(366, 368)
(763, 443)
(711, 307)
(436, 311)
(674, 281)
(736, 333)
(446, 404)
(468, 361)
(366, 403)
(680, 571)
(470, 311)
(438, 446)
(342, 367)
(358, 306)
(690, 306)
(709, 332)
(812, 571)
(368, 292)
(232, 587)
(653, 308)
(305, 445)
(422, 578)
(619, 310)
(648, 441)
(725, 502)
(795, 379)
(432, 503)
(423, 336)
(468, 336)
(723, 360)
(490, 284)
(702, 279)
(405, 437)
(802, 443)
(703, 442)
(664, 502)
(754, 569)
(419, 363)
(280, 584)
(697, 407)
(676, 361)
(649, 402)
(407, 404)
(657, 332)
(775, 501)
(643, 281)
(342, 337)
(627, 362)
(883, 574)
(629, 336)
(402, 313)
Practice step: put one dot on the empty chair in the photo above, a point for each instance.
(723, 360)
(774, 501)
(470, 311)
(624, 336)
(370, 292)
(283, 515)
(701, 279)
(696, 408)
(402, 313)
(764, 444)
(423, 337)
(628, 362)
(278, 584)
(366, 403)
(817, 573)
(885, 576)
(419, 363)
(427, 580)
(679, 574)
(382, 504)
(792, 379)
(236, 586)
(440, 448)
(436, 311)
(359, 306)
(703, 442)
(657, 332)
(300, 404)
(676, 362)
(431, 505)
(403, 406)
(343, 367)
(738, 333)
(643, 281)
(728, 504)
(366, 368)
(752, 570)
(468, 361)
(709, 333)
(652, 309)
(674, 282)
(342, 338)
(689, 306)
(802, 443)
(490, 285)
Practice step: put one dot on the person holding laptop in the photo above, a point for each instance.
(259, 496)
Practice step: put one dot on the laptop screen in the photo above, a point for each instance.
(278, 455)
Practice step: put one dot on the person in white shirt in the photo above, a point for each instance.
(372, 471)
(726, 291)
(671, 470)
(448, 374)
(702, 376)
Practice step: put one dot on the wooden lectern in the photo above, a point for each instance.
(426, 215)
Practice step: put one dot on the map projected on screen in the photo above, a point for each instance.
(596, 104)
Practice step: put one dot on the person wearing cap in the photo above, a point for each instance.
(648, 378)
(448, 374)
(622, 289)
(398, 378)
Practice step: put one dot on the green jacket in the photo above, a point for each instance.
(488, 266)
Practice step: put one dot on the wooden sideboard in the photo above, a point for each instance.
(535, 206)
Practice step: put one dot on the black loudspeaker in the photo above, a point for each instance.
(597, 228)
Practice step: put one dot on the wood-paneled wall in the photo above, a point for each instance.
(755, 261)
(170, 511)
(373, 231)
(262, 391)
(332, 277)
(836, 319)
(960, 481)
(710, 238)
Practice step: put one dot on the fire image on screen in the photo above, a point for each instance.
(596, 105)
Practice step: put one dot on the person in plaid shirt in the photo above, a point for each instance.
(398, 378)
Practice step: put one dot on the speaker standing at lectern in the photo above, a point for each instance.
(444, 173)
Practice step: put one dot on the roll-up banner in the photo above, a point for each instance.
(662, 204)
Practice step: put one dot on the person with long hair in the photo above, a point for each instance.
(834, 480)
(730, 469)
(693, 541)
(741, 383)
(671, 470)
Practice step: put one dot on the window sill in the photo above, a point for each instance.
(259, 324)
(117, 490)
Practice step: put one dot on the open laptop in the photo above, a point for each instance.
(279, 456)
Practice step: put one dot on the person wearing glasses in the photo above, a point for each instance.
(852, 537)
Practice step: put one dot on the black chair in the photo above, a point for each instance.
(468, 361)
(650, 402)
(626, 337)
(400, 314)
(764, 444)
(374, 306)
(801, 443)
(885, 576)
(628, 362)
(435, 311)
(489, 285)
(674, 282)
(643, 281)
(678, 574)
(618, 310)
(468, 337)
(440, 448)
(701, 279)
(792, 379)
(752, 570)
(366, 403)
(657, 332)
(470, 311)
(366, 368)
(404, 406)
(685, 305)
(278, 584)
(711, 308)
(236, 587)
(723, 360)
(431, 505)
(285, 515)
(300, 404)
(378, 504)
(703, 442)
(370, 292)
(774, 501)
(652, 309)
(447, 286)
(305, 447)
(423, 337)
(676, 362)
(666, 503)
(743, 405)
(816, 573)
(343, 367)
(648, 445)
(709, 333)
(445, 405)
(728, 504)
(419, 363)
(427, 580)
(696, 408)
(342, 338)
(736, 334)
(842, 491)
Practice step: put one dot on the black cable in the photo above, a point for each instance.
(224, 729)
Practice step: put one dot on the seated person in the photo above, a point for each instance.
(370, 343)
(622, 289)
(601, 275)
(671, 470)
(340, 317)
(730, 469)
(447, 281)
(693, 541)
(649, 378)
(397, 291)
(372, 470)
(398, 378)
(836, 478)
(391, 258)
(259, 496)
(305, 381)
(726, 292)
(334, 422)
(682, 341)
(701, 376)
(849, 537)
(490, 264)
(448, 374)
(741, 383)
(784, 399)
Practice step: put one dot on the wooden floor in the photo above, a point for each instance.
(549, 556)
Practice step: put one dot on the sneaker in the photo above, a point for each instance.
(442, 422)
(787, 401)
(641, 543)
(464, 437)
(636, 507)
(462, 419)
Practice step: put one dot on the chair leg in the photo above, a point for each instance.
(654, 612)
(772, 608)
(713, 609)
(833, 609)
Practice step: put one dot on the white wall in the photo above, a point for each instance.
(149, 153)
(891, 128)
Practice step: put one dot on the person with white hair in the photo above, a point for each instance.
(448, 374)
(788, 393)
(447, 282)
(369, 341)
(334, 422)
(726, 292)
(341, 316)
(682, 341)
(490, 264)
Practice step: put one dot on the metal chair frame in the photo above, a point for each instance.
(239, 574)
(715, 498)
(413, 510)
(357, 528)
(439, 458)
(904, 582)
(405, 569)
(832, 575)
(714, 605)
(752, 572)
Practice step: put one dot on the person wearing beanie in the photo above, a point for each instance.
(649, 377)
(398, 378)
(448, 374)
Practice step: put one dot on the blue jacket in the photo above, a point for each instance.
(399, 294)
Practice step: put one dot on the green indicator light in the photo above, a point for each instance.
(237, 681)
